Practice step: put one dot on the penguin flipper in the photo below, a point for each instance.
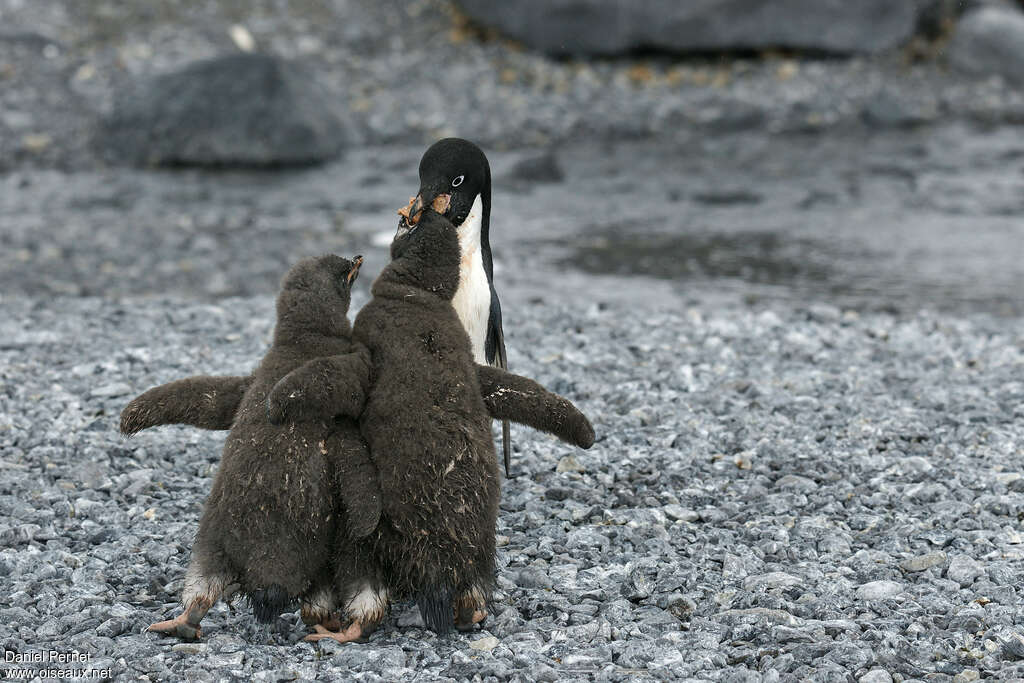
(356, 480)
(321, 389)
(204, 401)
(494, 350)
(511, 397)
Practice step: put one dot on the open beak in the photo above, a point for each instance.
(357, 263)
(411, 212)
(414, 210)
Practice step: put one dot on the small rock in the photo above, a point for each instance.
(773, 616)
(876, 676)
(544, 674)
(558, 493)
(569, 463)
(823, 312)
(1008, 477)
(989, 41)
(241, 37)
(17, 120)
(1013, 646)
(36, 142)
(966, 676)
(923, 562)
(964, 570)
(679, 513)
(879, 590)
(225, 661)
(887, 109)
(664, 657)
(111, 628)
(485, 644)
(189, 648)
(532, 577)
(794, 482)
(48, 629)
(116, 389)
(770, 581)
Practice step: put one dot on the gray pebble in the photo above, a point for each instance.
(964, 570)
(879, 590)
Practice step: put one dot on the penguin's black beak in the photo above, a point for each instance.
(353, 273)
(415, 207)
(438, 201)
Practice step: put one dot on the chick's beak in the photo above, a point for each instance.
(353, 273)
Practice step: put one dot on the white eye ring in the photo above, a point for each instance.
(458, 181)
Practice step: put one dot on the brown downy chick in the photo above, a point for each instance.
(268, 526)
(428, 431)
(427, 423)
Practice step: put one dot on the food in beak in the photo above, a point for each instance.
(405, 211)
(441, 202)
(414, 210)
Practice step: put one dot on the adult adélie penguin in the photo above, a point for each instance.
(459, 168)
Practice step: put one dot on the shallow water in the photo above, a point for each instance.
(900, 220)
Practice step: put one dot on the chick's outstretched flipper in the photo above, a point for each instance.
(203, 401)
(511, 397)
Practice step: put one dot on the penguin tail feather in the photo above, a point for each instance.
(268, 603)
(436, 609)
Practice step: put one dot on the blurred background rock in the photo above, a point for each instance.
(866, 118)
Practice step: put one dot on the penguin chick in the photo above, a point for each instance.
(429, 433)
(268, 525)
(427, 423)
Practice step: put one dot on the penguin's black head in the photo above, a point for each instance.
(316, 293)
(455, 167)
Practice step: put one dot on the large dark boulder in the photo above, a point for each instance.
(989, 40)
(236, 110)
(609, 27)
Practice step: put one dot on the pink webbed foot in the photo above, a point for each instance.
(178, 627)
(467, 622)
(470, 610)
(352, 634)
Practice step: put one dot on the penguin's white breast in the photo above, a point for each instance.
(472, 299)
